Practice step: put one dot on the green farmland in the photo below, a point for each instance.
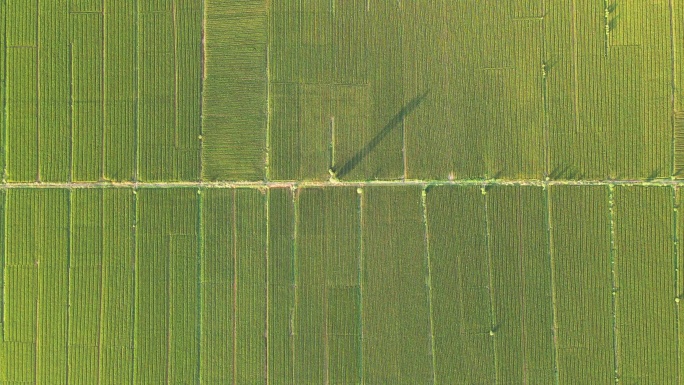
(341, 192)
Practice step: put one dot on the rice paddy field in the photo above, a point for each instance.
(341, 192)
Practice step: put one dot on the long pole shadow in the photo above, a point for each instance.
(354, 161)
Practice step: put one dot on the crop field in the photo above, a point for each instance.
(341, 192)
(341, 284)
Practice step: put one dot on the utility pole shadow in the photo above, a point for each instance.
(354, 161)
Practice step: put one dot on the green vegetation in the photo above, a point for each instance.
(619, 125)
(327, 313)
(58, 97)
(646, 325)
(395, 317)
(580, 232)
(217, 287)
(169, 76)
(120, 89)
(118, 305)
(86, 100)
(461, 299)
(37, 281)
(166, 273)
(281, 290)
(521, 285)
(234, 93)
(341, 191)
(85, 284)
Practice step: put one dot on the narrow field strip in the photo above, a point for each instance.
(423, 201)
(552, 267)
(675, 263)
(611, 211)
(359, 192)
(490, 285)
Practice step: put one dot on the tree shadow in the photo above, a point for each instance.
(565, 172)
(353, 162)
(497, 175)
(612, 23)
(678, 172)
(653, 175)
(548, 65)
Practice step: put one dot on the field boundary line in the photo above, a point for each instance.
(70, 245)
(267, 345)
(38, 92)
(545, 96)
(5, 199)
(103, 272)
(673, 83)
(575, 62)
(429, 283)
(552, 266)
(103, 102)
(269, 111)
(203, 75)
(169, 306)
(4, 101)
(136, 112)
(335, 183)
(611, 212)
(70, 112)
(134, 291)
(293, 315)
(36, 340)
(174, 16)
(200, 279)
(235, 283)
(675, 233)
(521, 266)
(359, 192)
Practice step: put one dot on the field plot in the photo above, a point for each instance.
(462, 313)
(327, 312)
(614, 70)
(54, 86)
(85, 289)
(120, 89)
(36, 282)
(300, 68)
(482, 114)
(679, 279)
(95, 90)
(117, 286)
(3, 86)
(234, 97)
(644, 256)
(521, 285)
(86, 99)
(373, 148)
(395, 316)
(166, 274)
(250, 288)
(217, 340)
(581, 258)
(678, 54)
(169, 76)
(281, 286)
(233, 286)
(21, 109)
(300, 131)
